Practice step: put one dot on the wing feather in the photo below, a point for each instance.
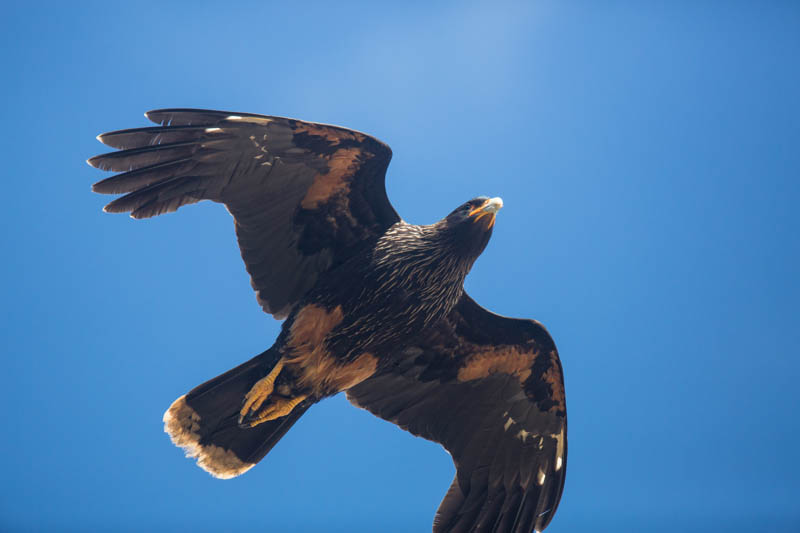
(154, 135)
(304, 196)
(504, 423)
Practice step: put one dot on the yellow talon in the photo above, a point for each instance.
(280, 407)
(260, 391)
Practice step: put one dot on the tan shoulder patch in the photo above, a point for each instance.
(341, 167)
(497, 360)
(334, 135)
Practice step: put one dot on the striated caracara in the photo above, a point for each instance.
(374, 306)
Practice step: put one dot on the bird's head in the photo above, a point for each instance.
(470, 225)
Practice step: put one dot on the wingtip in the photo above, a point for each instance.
(152, 115)
(111, 207)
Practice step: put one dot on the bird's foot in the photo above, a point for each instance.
(277, 408)
(257, 395)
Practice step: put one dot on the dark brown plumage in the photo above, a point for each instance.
(374, 306)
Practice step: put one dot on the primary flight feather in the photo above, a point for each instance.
(374, 306)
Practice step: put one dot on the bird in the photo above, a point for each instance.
(372, 306)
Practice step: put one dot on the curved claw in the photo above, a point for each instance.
(277, 408)
(259, 393)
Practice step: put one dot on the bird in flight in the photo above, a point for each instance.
(373, 306)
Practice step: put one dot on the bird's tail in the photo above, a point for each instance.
(205, 422)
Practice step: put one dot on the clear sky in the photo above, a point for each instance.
(649, 159)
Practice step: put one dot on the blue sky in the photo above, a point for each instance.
(648, 157)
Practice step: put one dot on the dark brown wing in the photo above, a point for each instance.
(490, 389)
(303, 196)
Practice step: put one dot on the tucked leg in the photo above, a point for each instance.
(277, 408)
(259, 393)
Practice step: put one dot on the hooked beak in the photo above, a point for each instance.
(489, 208)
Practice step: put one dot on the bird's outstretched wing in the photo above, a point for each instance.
(304, 196)
(490, 389)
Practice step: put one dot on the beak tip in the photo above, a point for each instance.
(493, 205)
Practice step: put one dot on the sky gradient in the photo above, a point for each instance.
(647, 154)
